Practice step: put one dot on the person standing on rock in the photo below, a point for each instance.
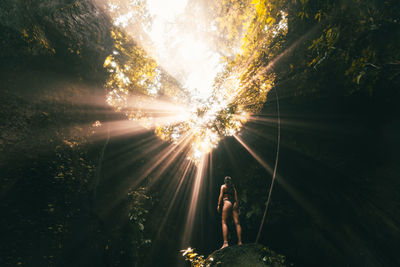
(230, 207)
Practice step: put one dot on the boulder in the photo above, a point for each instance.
(246, 255)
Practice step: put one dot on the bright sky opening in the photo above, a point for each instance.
(185, 56)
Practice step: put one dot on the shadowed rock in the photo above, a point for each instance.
(247, 255)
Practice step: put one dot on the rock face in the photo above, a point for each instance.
(247, 255)
(63, 35)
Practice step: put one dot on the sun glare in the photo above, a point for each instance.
(210, 105)
(166, 10)
(186, 57)
(166, 75)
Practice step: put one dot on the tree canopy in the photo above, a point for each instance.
(72, 193)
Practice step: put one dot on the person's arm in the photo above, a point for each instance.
(236, 200)
(220, 197)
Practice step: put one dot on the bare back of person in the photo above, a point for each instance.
(228, 195)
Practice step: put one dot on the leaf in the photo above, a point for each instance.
(25, 33)
(192, 255)
(271, 21)
(359, 76)
(141, 226)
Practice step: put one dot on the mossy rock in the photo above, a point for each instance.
(247, 255)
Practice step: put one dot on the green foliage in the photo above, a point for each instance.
(132, 17)
(133, 73)
(265, 26)
(272, 258)
(352, 42)
(195, 259)
(128, 237)
(47, 151)
(130, 67)
(328, 48)
(138, 203)
(60, 31)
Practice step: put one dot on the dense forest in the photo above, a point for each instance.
(112, 150)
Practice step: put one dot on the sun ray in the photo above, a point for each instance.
(191, 215)
(165, 77)
(187, 165)
(264, 164)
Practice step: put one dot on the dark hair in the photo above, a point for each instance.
(228, 182)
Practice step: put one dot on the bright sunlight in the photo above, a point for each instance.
(176, 57)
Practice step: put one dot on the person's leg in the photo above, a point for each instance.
(238, 227)
(226, 209)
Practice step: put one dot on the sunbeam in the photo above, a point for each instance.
(265, 165)
(167, 75)
(198, 178)
(214, 96)
(133, 129)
